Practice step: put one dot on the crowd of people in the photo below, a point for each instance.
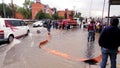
(91, 24)
(57, 24)
(62, 24)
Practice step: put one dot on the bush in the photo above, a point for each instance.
(41, 15)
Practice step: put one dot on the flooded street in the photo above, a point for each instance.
(59, 33)
(65, 49)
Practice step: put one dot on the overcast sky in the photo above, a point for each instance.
(86, 7)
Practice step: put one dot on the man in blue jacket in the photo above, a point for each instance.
(109, 41)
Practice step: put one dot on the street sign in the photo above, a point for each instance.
(114, 2)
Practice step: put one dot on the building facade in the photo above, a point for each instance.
(19, 15)
(67, 14)
(38, 6)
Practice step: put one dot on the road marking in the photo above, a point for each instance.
(11, 45)
(32, 43)
(30, 35)
(3, 45)
(15, 41)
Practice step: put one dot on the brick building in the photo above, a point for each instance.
(38, 6)
(19, 15)
(65, 13)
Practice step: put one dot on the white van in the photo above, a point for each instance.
(11, 28)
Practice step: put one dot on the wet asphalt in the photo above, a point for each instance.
(65, 49)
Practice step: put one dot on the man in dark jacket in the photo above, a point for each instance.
(49, 26)
(109, 41)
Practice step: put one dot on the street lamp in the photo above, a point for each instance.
(4, 14)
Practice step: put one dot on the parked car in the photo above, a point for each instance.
(12, 28)
(38, 24)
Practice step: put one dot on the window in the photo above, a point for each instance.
(14, 23)
(8, 23)
(22, 23)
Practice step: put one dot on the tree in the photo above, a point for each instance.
(42, 15)
(61, 17)
(78, 15)
(55, 16)
(27, 6)
(13, 8)
(23, 11)
(26, 11)
(39, 15)
(72, 14)
(8, 10)
(47, 16)
(1, 10)
(27, 14)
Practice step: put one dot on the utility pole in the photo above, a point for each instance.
(13, 12)
(74, 10)
(90, 10)
(103, 9)
(4, 13)
(108, 13)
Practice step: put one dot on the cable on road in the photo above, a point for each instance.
(45, 41)
(66, 56)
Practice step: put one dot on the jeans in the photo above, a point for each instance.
(108, 52)
(91, 35)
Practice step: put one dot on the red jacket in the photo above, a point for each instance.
(91, 27)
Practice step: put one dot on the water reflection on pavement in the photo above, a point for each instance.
(90, 50)
(67, 43)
